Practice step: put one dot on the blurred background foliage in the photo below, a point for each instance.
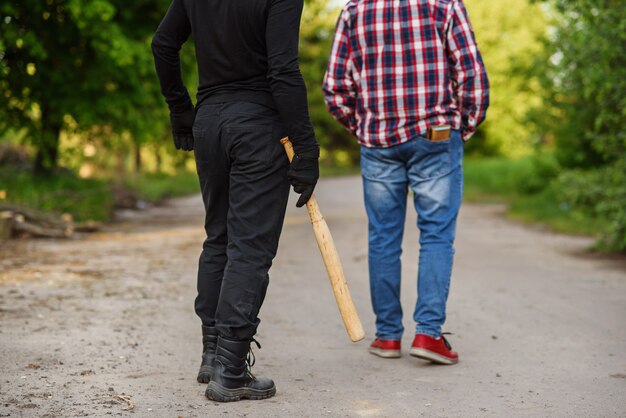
(82, 120)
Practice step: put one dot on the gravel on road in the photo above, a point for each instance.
(104, 325)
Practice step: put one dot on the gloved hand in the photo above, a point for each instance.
(182, 124)
(303, 174)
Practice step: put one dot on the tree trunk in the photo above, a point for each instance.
(120, 165)
(159, 159)
(180, 160)
(47, 157)
(138, 158)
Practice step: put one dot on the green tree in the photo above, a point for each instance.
(317, 30)
(78, 64)
(509, 34)
(585, 81)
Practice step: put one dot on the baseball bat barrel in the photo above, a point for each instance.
(333, 264)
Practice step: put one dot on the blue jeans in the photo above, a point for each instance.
(434, 172)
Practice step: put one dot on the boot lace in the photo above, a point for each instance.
(445, 341)
(251, 359)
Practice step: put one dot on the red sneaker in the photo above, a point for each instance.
(437, 350)
(385, 348)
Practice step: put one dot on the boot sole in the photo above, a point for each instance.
(219, 393)
(385, 353)
(205, 373)
(432, 357)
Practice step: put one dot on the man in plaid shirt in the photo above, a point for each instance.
(406, 77)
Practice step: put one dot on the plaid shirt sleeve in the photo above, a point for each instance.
(468, 70)
(339, 86)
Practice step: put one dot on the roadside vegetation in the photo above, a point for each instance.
(533, 191)
(85, 199)
(90, 199)
(83, 112)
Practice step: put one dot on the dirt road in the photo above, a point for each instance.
(540, 326)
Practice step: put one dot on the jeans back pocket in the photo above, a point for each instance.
(432, 158)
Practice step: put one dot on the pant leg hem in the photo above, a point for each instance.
(389, 337)
(430, 333)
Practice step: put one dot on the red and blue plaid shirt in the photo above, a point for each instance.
(400, 66)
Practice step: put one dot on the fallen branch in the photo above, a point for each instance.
(126, 399)
(15, 221)
(35, 216)
(6, 225)
(89, 226)
(21, 225)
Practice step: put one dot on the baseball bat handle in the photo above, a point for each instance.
(334, 268)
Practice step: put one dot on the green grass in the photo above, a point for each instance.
(156, 187)
(529, 189)
(87, 199)
(92, 199)
(526, 185)
(545, 208)
(60, 193)
(489, 180)
(338, 171)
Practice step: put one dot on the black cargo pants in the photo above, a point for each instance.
(243, 175)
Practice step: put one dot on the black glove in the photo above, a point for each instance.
(182, 128)
(303, 174)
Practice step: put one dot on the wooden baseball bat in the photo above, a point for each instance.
(332, 262)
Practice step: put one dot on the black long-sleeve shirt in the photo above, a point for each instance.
(246, 50)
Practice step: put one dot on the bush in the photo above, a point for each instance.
(17, 157)
(602, 194)
(63, 192)
(156, 187)
(536, 174)
(535, 192)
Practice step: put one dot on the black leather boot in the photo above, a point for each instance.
(209, 343)
(232, 380)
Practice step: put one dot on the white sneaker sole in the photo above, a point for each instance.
(430, 356)
(385, 353)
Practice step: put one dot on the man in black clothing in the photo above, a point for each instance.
(251, 94)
